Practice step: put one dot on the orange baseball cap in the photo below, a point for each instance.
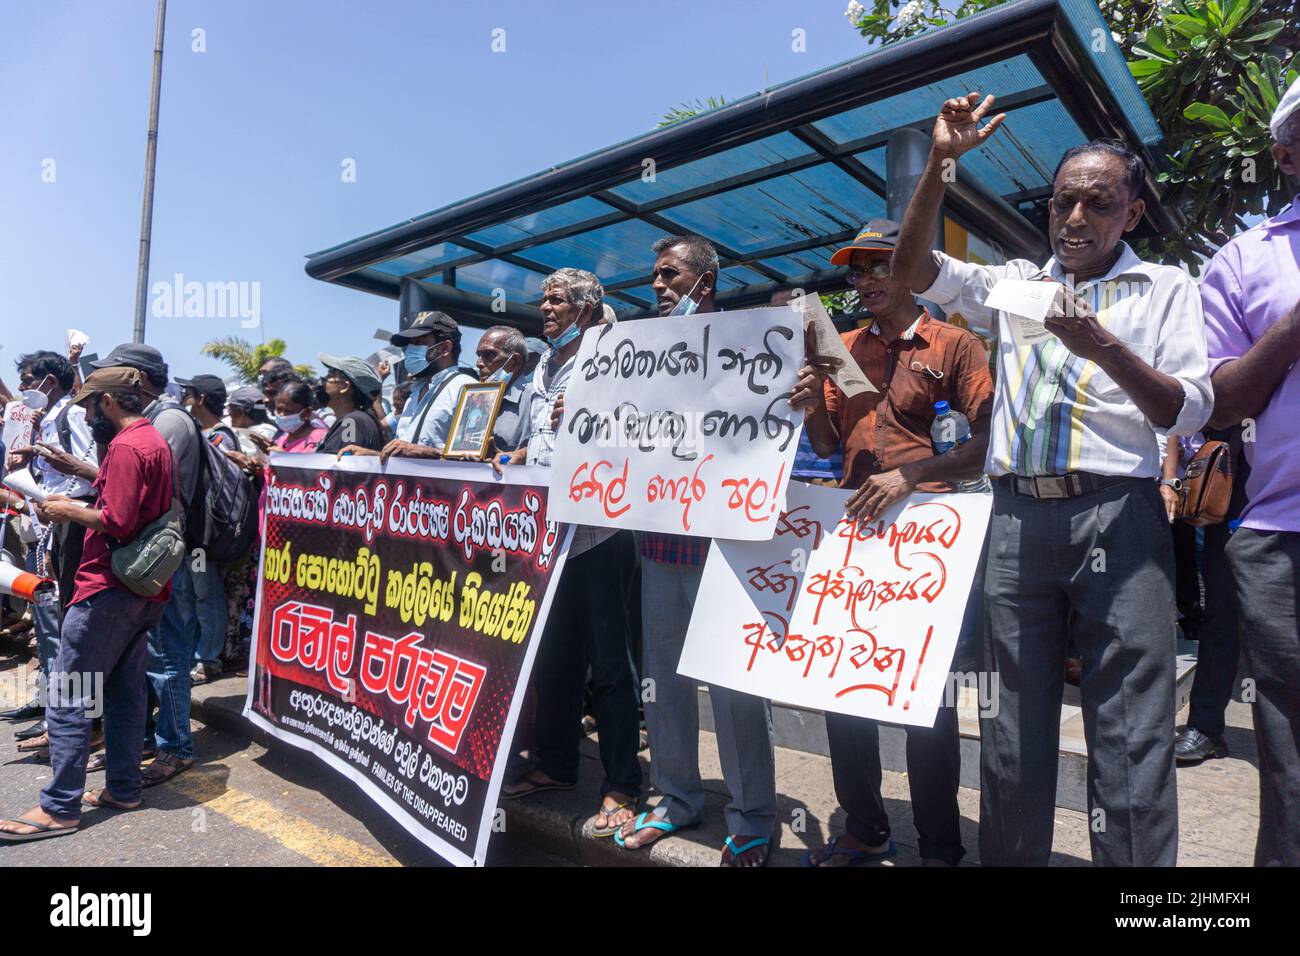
(878, 235)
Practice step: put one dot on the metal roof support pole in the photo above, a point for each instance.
(412, 300)
(906, 152)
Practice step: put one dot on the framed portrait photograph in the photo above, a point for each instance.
(471, 425)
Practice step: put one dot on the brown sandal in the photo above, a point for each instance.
(102, 798)
(164, 767)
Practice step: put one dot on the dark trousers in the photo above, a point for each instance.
(1097, 569)
(933, 774)
(587, 627)
(1187, 578)
(68, 540)
(101, 661)
(1266, 574)
(1217, 643)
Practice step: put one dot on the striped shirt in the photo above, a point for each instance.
(1055, 412)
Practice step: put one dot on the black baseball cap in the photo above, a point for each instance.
(135, 354)
(208, 386)
(878, 235)
(426, 322)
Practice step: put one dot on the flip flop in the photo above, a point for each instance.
(855, 857)
(610, 830)
(643, 824)
(535, 787)
(738, 851)
(42, 831)
(105, 800)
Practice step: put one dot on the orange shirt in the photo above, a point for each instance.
(930, 362)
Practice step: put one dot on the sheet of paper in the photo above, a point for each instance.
(849, 377)
(1027, 302)
(76, 337)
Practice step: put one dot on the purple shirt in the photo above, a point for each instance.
(1252, 283)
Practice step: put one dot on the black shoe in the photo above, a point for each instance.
(25, 712)
(1191, 746)
(35, 730)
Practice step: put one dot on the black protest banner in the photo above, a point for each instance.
(398, 610)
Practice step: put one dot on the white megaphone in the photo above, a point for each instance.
(23, 584)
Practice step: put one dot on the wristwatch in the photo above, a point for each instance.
(1174, 483)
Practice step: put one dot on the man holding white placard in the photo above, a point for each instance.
(1078, 541)
(917, 361)
(685, 275)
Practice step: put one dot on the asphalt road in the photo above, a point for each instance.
(241, 805)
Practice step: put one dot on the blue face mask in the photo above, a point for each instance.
(500, 375)
(415, 358)
(289, 423)
(686, 305)
(565, 337)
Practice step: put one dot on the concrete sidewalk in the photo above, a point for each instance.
(1218, 805)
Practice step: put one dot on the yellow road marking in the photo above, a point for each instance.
(319, 845)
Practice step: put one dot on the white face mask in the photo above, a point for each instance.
(35, 399)
(289, 423)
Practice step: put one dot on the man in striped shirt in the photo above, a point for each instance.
(1078, 545)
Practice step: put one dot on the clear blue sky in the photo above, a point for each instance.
(253, 133)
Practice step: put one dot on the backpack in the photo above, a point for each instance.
(222, 518)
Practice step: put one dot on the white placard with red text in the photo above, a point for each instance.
(856, 618)
(681, 424)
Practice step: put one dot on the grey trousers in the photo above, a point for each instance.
(743, 722)
(1266, 575)
(1098, 568)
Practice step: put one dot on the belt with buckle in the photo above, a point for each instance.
(1073, 485)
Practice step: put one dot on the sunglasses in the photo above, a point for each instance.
(877, 270)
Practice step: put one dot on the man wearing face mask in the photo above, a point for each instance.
(106, 629)
(431, 349)
(171, 644)
(62, 459)
(587, 628)
(502, 355)
(685, 277)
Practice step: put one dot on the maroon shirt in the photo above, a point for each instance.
(135, 488)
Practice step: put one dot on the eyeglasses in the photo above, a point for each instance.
(877, 270)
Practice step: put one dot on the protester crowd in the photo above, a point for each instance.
(1085, 428)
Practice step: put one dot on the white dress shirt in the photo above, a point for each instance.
(53, 481)
(1055, 412)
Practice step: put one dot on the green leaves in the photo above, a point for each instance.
(1211, 116)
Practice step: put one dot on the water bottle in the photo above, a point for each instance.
(949, 430)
